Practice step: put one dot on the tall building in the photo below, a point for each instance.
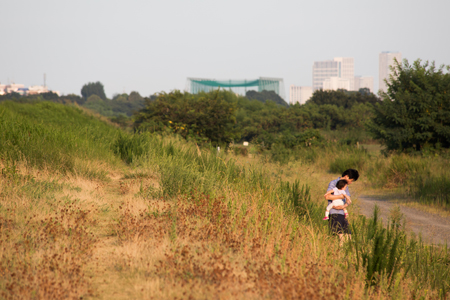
(323, 70)
(347, 65)
(364, 82)
(341, 67)
(386, 60)
(299, 94)
(336, 83)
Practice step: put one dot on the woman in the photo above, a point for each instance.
(337, 222)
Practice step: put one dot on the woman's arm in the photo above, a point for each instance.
(341, 206)
(327, 193)
(336, 197)
(328, 196)
(349, 200)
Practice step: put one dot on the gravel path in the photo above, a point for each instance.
(433, 228)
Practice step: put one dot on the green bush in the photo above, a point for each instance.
(432, 190)
(204, 117)
(130, 146)
(381, 253)
(299, 199)
(349, 158)
(378, 250)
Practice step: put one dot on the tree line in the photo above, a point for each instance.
(120, 108)
(414, 114)
(220, 117)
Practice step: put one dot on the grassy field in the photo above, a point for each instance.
(87, 210)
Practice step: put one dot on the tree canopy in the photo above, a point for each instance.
(222, 116)
(204, 117)
(265, 96)
(415, 110)
(93, 88)
(343, 98)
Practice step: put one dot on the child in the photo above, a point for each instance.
(338, 190)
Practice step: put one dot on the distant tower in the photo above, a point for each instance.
(385, 61)
(323, 70)
(339, 67)
(347, 65)
(299, 94)
(364, 82)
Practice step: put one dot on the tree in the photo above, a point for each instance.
(74, 98)
(264, 96)
(93, 88)
(50, 96)
(120, 97)
(343, 98)
(203, 117)
(99, 105)
(415, 111)
(135, 97)
(94, 99)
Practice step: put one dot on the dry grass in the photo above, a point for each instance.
(105, 239)
(199, 248)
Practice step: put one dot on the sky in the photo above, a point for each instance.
(153, 46)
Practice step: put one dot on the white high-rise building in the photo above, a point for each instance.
(323, 70)
(347, 65)
(336, 83)
(341, 67)
(364, 82)
(386, 60)
(299, 94)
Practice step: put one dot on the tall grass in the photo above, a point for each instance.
(378, 250)
(422, 179)
(54, 136)
(386, 255)
(432, 190)
(238, 205)
(349, 157)
(380, 253)
(183, 167)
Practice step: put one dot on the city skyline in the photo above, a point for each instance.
(151, 46)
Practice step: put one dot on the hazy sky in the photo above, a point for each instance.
(153, 46)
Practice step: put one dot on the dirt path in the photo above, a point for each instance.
(433, 228)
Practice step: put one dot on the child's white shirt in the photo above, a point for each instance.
(337, 202)
(336, 191)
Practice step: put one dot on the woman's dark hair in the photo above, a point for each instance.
(352, 174)
(341, 183)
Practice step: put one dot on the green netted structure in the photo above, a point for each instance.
(195, 85)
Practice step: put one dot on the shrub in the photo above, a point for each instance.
(432, 190)
(350, 158)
